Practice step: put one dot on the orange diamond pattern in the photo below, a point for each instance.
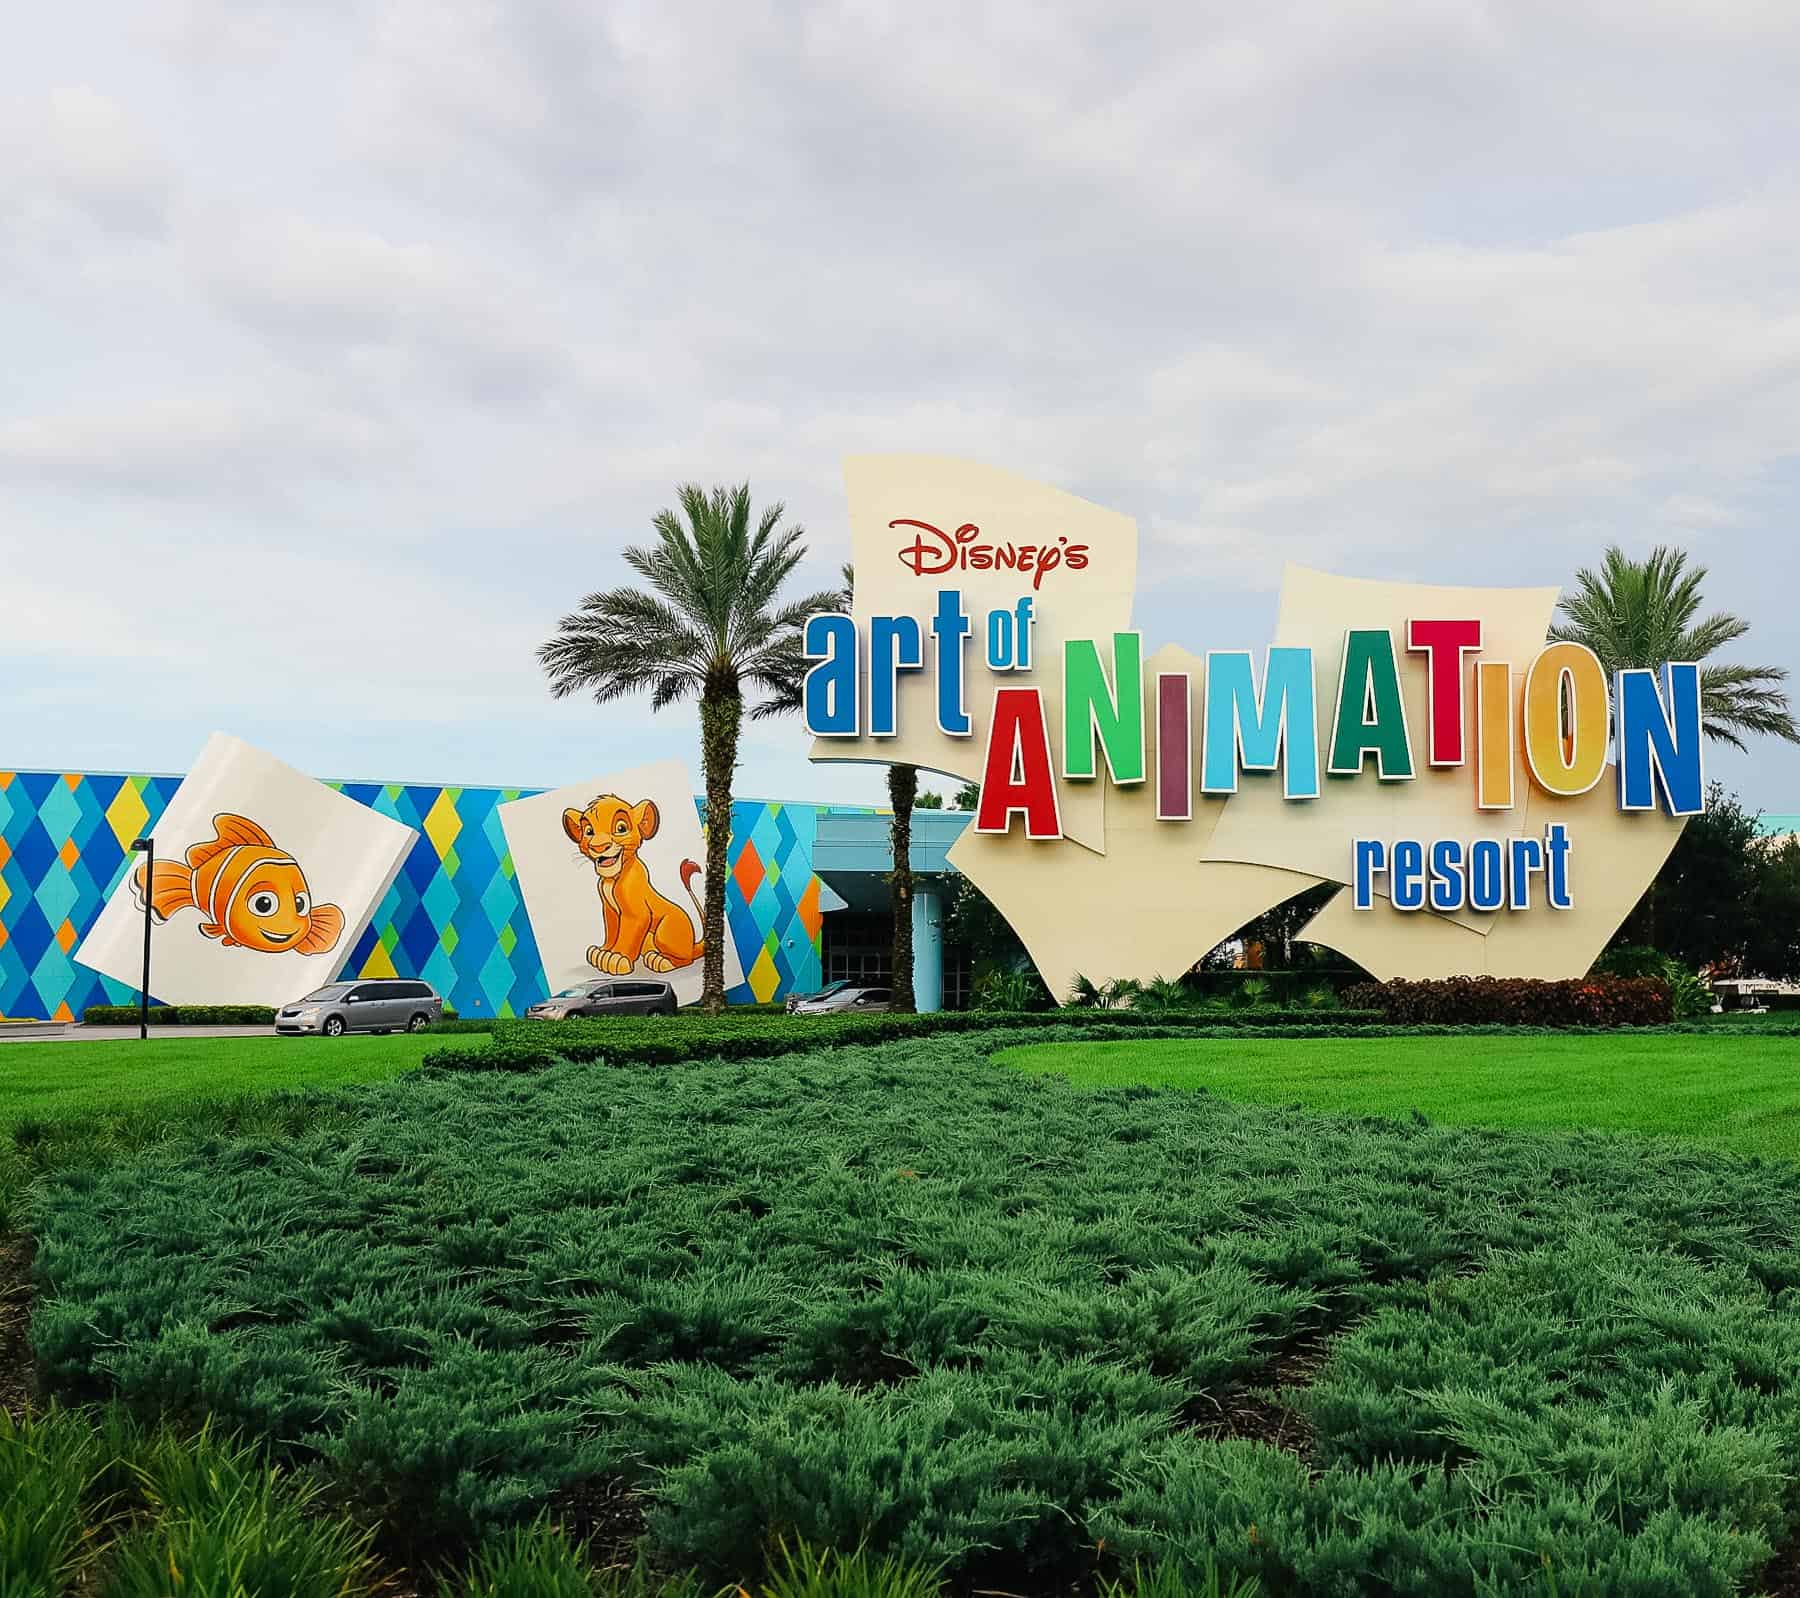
(69, 854)
(811, 917)
(748, 873)
(65, 936)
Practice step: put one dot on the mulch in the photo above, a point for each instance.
(603, 1513)
(18, 1370)
(1781, 1579)
(1260, 1412)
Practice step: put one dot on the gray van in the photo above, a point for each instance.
(340, 1007)
(608, 996)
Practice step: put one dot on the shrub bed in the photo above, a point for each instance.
(100, 1503)
(892, 1295)
(1585, 1001)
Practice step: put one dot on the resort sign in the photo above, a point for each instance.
(1487, 801)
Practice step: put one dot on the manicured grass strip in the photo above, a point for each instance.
(54, 1079)
(1774, 1020)
(1740, 1093)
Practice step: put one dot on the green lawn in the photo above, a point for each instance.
(55, 1080)
(1740, 1093)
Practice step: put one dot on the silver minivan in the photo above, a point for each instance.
(840, 998)
(340, 1007)
(608, 996)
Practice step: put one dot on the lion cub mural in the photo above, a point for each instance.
(640, 922)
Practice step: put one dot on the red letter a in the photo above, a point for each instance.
(1017, 775)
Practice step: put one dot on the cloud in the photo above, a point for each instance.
(449, 297)
(188, 445)
(313, 288)
(88, 153)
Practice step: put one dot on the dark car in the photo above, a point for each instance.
(340, 1007)
(608, 996)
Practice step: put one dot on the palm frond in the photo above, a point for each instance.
(708, 617)
(1710, 636)
(1640, 613)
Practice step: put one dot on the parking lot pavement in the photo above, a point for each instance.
(50, 1032)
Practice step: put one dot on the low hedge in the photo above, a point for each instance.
(180, 1015)
(670, 1039)
(227, 1015)
(662, 1041)
(1520, 1001)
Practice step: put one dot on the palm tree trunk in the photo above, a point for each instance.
(720, 715)
(903, 788)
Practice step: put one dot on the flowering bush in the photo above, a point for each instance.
(1520, 1001)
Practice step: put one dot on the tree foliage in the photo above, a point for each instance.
(1642, 613)
(972, 922)
(708, 622)
(1771, 944)
(1695, 909)
(1726, 898)
(1277, 933)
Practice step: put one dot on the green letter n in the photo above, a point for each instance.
(1090, 707)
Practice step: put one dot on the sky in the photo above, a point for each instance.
(347, 344)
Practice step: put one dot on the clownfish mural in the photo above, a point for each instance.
(250, 893)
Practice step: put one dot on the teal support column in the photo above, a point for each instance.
(928, 950)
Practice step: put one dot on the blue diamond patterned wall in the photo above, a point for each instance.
(454, 915)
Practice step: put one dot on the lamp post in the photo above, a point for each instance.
(147, 848)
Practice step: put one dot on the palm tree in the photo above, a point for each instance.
(903, 788)
(1641, 613)
(903, 791)
(708, 623)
